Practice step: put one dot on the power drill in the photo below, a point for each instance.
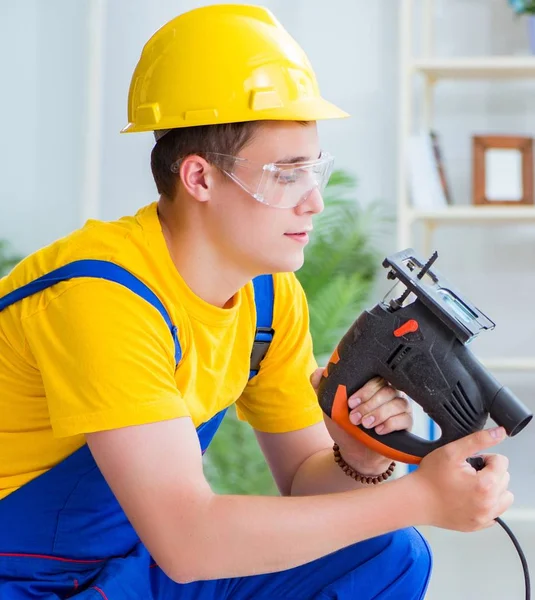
(417, 342)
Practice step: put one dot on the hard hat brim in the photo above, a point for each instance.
(312, 109)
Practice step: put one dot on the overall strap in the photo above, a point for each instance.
(100, 269)
(264, 297)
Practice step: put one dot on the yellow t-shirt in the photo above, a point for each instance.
(88, 354)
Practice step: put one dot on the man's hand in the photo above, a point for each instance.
(376, 405)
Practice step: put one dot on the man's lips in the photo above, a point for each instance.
(300, 231)
(299, 236)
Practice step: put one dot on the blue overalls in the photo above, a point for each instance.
(64, 535)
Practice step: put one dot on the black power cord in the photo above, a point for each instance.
(478, 463)
(521, 554)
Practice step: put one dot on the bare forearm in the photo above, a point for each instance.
(236, 536)
(320, 474)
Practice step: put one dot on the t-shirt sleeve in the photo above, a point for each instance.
(106, 357)
(281, 398)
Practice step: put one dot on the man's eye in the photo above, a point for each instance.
(293, 176)
(287, 178)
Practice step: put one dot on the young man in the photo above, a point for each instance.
(122, 345)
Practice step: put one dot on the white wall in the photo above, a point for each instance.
(44, 146)
(42, 98)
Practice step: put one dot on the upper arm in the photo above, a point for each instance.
(155, 472)
(286, 452)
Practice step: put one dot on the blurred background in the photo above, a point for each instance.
(420, 79)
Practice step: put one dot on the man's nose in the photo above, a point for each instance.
(313, 203)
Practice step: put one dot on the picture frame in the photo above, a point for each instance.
(502, 170)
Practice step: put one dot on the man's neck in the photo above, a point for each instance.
(207, 272)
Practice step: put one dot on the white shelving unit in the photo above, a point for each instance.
(432, 69)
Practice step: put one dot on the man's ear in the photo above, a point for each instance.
(197, 177)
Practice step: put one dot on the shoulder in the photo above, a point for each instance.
(104, 240)
(288, 290)
(283, 290)
(287, 286)
(110, 276)
(290, 303)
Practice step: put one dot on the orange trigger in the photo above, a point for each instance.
(409, 327)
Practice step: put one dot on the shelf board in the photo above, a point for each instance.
(474, 214)
(477, 67)
(520, 514)
(525, 363)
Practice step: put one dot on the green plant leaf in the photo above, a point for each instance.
(234, 463)
(334, 308)
(7, 258)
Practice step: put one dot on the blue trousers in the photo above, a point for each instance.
(395, 566)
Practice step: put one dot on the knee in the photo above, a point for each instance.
(412, 554)
(394, 565)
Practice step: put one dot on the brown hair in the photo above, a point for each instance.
(226, 138)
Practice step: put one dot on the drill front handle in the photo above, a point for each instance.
(350, 367)
(333, 397)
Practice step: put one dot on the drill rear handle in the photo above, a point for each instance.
(413, 350)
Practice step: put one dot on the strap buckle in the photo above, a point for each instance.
(262, 340)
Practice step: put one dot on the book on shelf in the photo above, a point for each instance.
(428, 184)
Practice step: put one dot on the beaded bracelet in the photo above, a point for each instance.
(350, 472)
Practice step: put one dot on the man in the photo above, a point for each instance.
(123, 344)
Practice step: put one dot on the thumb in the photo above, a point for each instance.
(315, 378)
(477, 442)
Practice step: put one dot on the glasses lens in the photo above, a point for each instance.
(282, 186)
(286, 187)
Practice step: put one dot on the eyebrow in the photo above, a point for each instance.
(296, 159)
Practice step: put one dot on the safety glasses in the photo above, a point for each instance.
(274, 184)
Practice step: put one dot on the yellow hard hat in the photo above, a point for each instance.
(223, 63)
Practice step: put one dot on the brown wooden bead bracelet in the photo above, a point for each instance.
(350, 472)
